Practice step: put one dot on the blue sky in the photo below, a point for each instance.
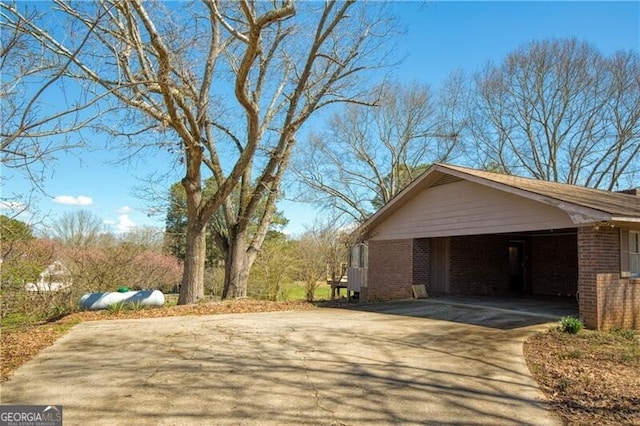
(440, 37)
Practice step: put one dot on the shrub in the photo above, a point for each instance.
(118, 307)
(107, 268)
(102, 268)
(214, 281)
(570, 325)
(271, 275)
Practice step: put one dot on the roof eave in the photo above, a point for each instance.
(625, 219)
(579, 215)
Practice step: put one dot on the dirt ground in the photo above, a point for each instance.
(592, 378)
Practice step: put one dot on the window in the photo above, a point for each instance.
(359, 256)
(355, 256)
(634, 253)
(364, 256)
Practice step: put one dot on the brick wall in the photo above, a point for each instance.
(553, 264)
(390, 270)
(421, 261)
(598, 253)
(479, 265)
(618, 302)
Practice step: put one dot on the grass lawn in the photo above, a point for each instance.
(298, 292)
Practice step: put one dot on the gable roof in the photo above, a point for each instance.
(583, 205)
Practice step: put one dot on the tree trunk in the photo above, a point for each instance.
(236, 277)
(238, 262)
(310, 294)
(192, 288)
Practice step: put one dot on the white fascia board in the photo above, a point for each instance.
(625, 219)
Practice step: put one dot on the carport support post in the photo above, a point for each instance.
(598, 253)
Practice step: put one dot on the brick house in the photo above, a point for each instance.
(461, 231)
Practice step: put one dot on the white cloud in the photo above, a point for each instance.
(124, 223)
(70, 200)
(124, 210)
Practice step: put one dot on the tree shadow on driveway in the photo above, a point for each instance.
(492, 312)
(317, 367)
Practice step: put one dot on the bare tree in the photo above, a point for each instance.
(369, 154)
(212, 82)
(561, 111)
(149, 237)
(313, 267)
(24, 123)
(318, 62)
(79, 228)
(321, 251)
(36, 122)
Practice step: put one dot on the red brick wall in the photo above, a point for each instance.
(390, 270)
(479, 264)
(618, 302)
(598, 253)
(553, 264)
(421, 261)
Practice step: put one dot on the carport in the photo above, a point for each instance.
(541, 263)
(459, 231)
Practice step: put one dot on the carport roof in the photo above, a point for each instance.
(584, 205)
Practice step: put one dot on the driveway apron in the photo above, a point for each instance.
(318, 367)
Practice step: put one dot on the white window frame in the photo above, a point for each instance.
(359, 256)
(634, 253)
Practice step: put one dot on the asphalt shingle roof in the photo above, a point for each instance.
(613, 203)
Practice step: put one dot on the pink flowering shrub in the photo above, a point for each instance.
(98, 268)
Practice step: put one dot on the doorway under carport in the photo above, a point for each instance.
(536, 263)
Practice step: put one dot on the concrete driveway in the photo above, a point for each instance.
(414, 362)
